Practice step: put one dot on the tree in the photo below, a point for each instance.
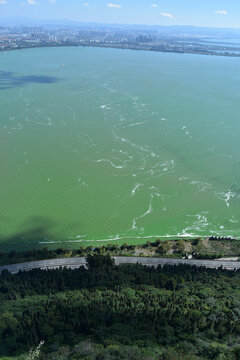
(181, 246)
(34, 354)
(96, 261)
(163, 248)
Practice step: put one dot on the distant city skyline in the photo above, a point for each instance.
(217, 13)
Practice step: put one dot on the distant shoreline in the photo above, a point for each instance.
(123, 47)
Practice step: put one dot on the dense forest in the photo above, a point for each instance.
(121, 312)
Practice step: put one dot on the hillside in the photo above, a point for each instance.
(121, 312)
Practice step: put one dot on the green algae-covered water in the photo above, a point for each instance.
(112, 145)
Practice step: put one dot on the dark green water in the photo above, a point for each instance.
(99, 144)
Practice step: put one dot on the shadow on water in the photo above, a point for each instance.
(37, 230)
(9, 80)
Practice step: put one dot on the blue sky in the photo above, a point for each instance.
(214, 13)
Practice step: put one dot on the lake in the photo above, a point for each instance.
(104, 145)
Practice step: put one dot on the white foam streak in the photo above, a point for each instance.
(149, 210)
(201, 185)
(199, 224)
(137, 123)
(132, 144)
(137, 186)
(228, 196)
(110, 162)
(105, 107)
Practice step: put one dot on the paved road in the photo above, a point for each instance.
(74, 263)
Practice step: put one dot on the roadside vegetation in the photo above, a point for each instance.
(120, 312)
(205, 248)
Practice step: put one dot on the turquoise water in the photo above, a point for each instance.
(115, 145)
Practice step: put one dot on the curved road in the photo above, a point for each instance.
(73, 263)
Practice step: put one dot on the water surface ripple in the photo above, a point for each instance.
(101, 145)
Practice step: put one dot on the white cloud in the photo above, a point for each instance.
(52, 1)
(168, 15)
(153, 5)
(86, 4)
(221, 12)
(3, 2)
(32, 2)
(114, 6)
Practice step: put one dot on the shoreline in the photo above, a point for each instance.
(166, 237)
(120, 47)
(198, 248)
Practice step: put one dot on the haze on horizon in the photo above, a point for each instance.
(223, 14)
